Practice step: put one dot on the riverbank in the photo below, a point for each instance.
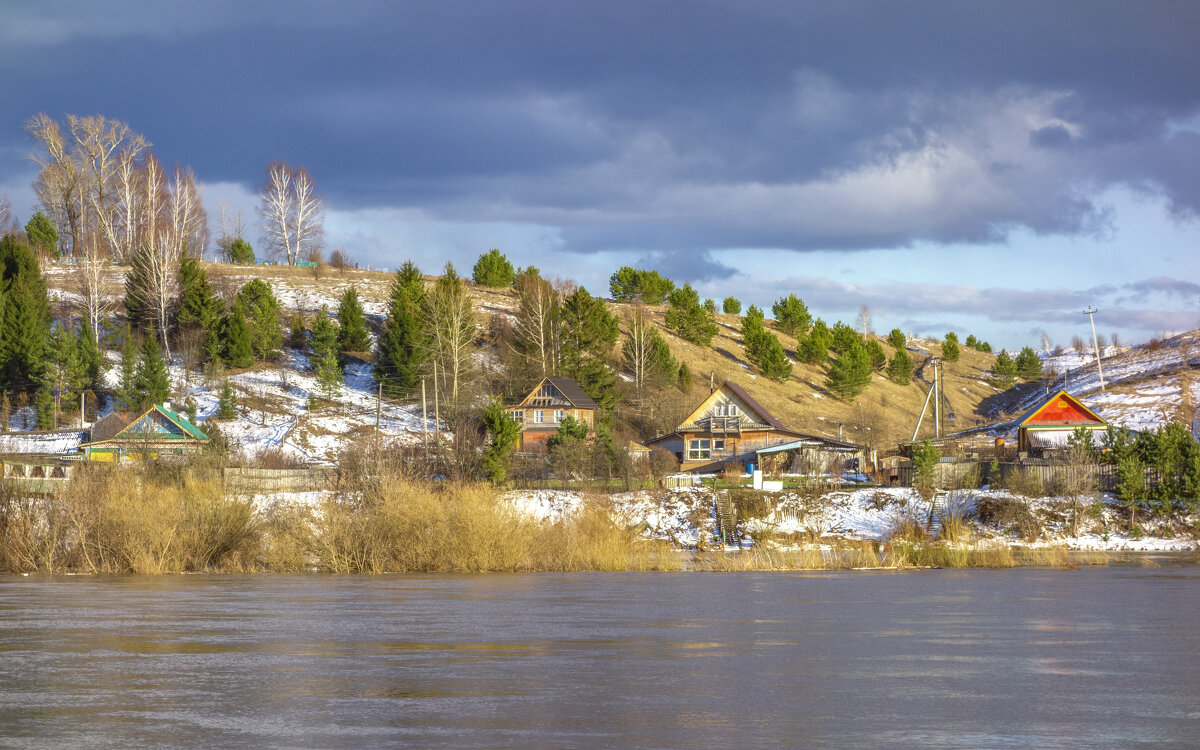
(158, 521)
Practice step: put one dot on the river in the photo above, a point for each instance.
(1096, 657)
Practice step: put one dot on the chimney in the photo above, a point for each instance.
(167, 405)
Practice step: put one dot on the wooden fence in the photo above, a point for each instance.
(1046, 477)
(265, 481)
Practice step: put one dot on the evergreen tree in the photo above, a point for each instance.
(731, 306)
(972, 341)
(492, 269)
(791, 315)
(240, 253)
(43, 237)
(262, 315)
(878, 358)
(189, 408)
(324, 348)
(127, 392)
(688, 318)
(152, 381)
(814, 348)
(199, 307)
(401, 346)
(685, 376)
(843, 336)
(64, 375)
(773, 362)
(25, 326)
(504, 433)
(91, 358)
(1029, 364)
(950, 350)
(297, 331)
(352, 328)
(43, 403)
(227, 403)
(850, 373)
(629, 283)
(900, 369)
(897, 340)
(236, 340)
(589, 333)
(1004, 370)
(710, 306)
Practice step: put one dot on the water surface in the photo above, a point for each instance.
(1099, 657)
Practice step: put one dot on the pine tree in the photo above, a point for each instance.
(843, 337)
(629, 283)
(897, 340)
(236, 338)
(43, 237)
(589, 333)
(324, 357)
(813, 349)
(850, 373)
(401, 346)
(199, 307)
(731, 306)
(774, 362)
(878, 358)
(900, 369)
(688, 318)
(791, 315)
(152, 381)
(262, 315)
(1029, 364)
(950, 348)
(352, 328)
(1004, 370)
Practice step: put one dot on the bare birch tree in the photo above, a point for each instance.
(537, 322)
(154, 273)
(291, 213)
(639, 350)
(450, 328)
(188, 220)
(57, 184)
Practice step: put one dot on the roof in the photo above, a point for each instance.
(41, 443)
(741, 393)
(1060, 410)
(570, 391)
(810, 440)
(573, 393)
(113, 426)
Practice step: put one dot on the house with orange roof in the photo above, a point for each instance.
(1048, 426)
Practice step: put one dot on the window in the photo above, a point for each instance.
(537, 416)
(518, 416)
(732, 410)
(558, 415)
(718, 446)
(720, 410)
(699, 450)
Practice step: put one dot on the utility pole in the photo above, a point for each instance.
(937, 401)
(1091, 313)
(424, 417)
(437, 417)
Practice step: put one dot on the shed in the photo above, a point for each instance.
(812, 454)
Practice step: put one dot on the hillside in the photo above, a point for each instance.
(1145, 387)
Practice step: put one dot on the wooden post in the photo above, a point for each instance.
(424, 417)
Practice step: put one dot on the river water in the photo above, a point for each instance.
(1096, 657)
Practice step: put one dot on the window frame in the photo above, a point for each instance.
(699, 449)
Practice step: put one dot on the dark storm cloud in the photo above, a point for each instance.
(655, 128)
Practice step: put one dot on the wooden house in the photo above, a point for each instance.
(148, 435)
(1047, 427)
(541, 412)
(729, 427)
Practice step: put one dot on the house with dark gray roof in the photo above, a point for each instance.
(543, 410)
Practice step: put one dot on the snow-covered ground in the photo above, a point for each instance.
(684, 517)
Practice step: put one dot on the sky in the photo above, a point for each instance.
(991, 168)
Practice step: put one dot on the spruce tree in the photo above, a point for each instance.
(492, 269)
(236, 338)
(43, 403)
(504, 434)
(227, 402)
(64, 374)
(152, 381)
(127, 391)
(850, 373)
(401, 346)
(199, 307)
(900, 369)
(352, 328)
(91, 358)
(262, 315)
(25, 327)
(324, 355)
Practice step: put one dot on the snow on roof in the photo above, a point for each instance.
(41, 443)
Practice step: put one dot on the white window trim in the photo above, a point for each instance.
(538, 416)
(558, 415)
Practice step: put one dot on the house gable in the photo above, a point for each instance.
(1063, 410)
(729, 401)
